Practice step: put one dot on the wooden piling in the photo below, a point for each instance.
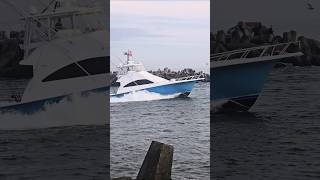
(157, 163)
(122, 178)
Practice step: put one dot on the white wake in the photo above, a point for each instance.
(141, 96)
(217, 106)
(73, 110)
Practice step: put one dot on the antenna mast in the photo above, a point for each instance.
(128, 54)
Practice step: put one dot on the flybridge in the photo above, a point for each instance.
(256, 54)
(130, 65)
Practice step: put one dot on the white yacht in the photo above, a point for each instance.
(68, 49)
(132, 77)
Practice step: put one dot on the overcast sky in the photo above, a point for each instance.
(283, 15)
(172, 34)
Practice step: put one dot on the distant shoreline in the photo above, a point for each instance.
(252, 34)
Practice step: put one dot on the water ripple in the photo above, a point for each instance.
(182, 122)
(279, 138)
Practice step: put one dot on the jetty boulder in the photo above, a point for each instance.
(10, 53)
(311, 51)
(250, 34)
(10, 56)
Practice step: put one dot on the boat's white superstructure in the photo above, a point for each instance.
(66, 56)
(133, 77)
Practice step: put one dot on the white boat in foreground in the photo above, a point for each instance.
(132, 77)
(66, 57)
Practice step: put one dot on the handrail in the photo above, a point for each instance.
(266, 50)
(259, 47)
(199, 76)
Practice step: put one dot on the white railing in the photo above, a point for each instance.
(260, 51)
(199, 76)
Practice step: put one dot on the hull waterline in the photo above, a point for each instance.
(39, 105)
(238, 86)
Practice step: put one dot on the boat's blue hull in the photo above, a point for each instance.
(35, 106)
(239, 85)
(183, 88)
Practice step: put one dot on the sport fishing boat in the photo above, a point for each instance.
(239, 76)
(132, 77)
(68, 49)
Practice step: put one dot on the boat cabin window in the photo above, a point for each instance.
(93, 66)
(69, 71)
(98, 65)
(139, 82)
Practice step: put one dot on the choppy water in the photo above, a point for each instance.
(181, 122)
(141, 96)
(68, 140)
(279, 138)
(77, 152)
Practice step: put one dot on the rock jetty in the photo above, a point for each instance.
(170, 74)
(250, 34)
(10, 56)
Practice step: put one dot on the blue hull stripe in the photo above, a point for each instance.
(34, 106)
(239, 80)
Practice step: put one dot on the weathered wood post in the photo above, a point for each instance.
(122, 178)
(158, 162)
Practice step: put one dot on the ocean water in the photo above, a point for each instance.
(73, 152)
(68, 140)
(279, 138)
(181, 122)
